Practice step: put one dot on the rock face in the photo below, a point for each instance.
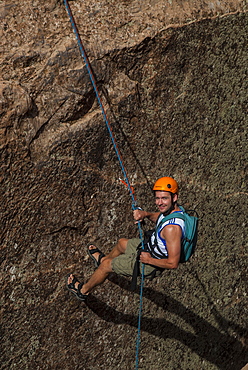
(173, 79)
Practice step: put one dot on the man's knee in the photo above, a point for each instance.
(122, 244)
(105, 265)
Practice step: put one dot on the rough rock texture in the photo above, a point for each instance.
(173, 77)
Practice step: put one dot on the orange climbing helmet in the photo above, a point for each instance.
(166, 184)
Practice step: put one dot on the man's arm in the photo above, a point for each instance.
(139, 215)
(172, 234)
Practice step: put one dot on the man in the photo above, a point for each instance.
(162, 251)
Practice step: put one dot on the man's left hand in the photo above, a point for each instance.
(145, 257)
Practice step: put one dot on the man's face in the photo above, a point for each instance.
(163, 200)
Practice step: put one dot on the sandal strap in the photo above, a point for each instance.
(72, 284)
(100, 257)
(80, 287)
(92, 251)
(74, 281)
(80, 295)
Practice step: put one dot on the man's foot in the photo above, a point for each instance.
(74, 286)
(95, 254)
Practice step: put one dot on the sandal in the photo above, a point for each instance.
(76, 291)
(90, 252)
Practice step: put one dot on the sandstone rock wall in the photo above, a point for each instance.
(173, 78)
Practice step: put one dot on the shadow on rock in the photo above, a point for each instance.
(214, 345)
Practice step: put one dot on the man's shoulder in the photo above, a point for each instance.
(171, 222)
(171, 230)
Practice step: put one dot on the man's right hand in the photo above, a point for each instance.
(139, 215)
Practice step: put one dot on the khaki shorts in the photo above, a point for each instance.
(124, 264)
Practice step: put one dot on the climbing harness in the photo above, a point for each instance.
(126, 179)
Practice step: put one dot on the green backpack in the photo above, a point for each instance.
(190, 239)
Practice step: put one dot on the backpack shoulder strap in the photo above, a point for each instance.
(170, 216)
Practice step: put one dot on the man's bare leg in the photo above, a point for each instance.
(104, 269)
(98, 277)
(119, 248)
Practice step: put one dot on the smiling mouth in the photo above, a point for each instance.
(161, 207)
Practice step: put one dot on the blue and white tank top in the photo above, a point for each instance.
(157, 245)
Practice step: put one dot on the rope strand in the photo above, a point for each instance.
(127, 182)
(93, 81)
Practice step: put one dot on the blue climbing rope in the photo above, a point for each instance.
(127, 182)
